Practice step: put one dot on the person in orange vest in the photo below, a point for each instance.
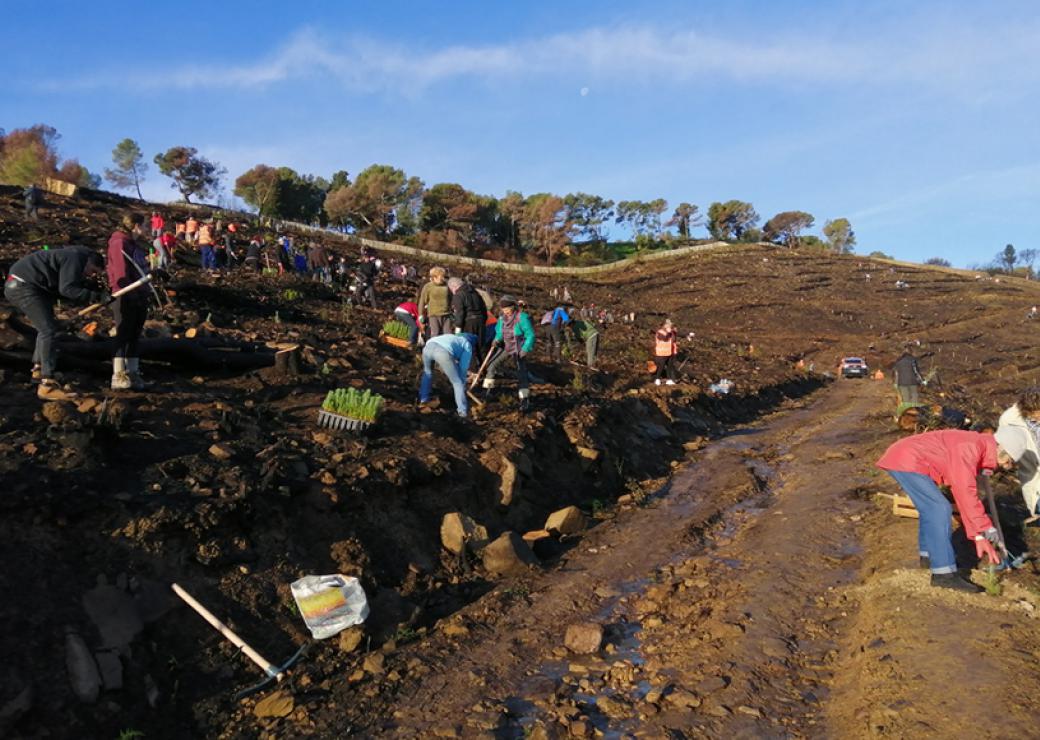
(179, 232)
(206, 246)
(191, 229)
(665, 350)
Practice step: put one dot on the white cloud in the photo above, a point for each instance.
(968, 60)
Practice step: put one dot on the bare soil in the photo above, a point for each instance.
(749, 580)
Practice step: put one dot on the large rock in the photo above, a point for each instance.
(508, 555)
(568, 520)
(459, 531)
(510, 486)
(278, 704)
(83, 671)
(115, 613)
(583, 637)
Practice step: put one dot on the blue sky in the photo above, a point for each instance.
(915, 120)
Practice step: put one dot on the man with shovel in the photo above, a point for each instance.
(34, 284)
(923, 462)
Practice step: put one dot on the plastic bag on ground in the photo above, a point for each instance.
(330, 604)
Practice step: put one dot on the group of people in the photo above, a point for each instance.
(37, 281)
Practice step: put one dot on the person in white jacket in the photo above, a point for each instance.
(1019, 426)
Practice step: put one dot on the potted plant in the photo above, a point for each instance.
(396, 333)
(348, 409)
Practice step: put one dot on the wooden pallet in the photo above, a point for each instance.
(903, 506)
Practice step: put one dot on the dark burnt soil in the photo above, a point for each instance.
(221, 481)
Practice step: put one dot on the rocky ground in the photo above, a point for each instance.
(747, 581)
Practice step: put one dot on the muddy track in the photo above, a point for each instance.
(737, 603)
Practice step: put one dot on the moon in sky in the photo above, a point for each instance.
(584, 91)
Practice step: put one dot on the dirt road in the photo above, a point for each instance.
(745, 600)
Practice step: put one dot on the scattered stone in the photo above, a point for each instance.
(111, 669)
(278, 704)
(57, 412)
(83, 671)
(88, 405)
(614, 708)
(115, 613)
(584, 637)
(350, 638)
(459, 530)
(454, 629)
(220, 452)
(579, 728)
(749, 711)
(568, 520)
(508, 555)
(775, 648)
(710, 685)
(510, 486)
(375, 663)
(683, 699)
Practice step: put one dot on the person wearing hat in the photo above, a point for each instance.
(1018, 432)
(955, 458)
(34, 284)
(514, 337)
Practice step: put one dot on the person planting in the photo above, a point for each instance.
(923, 462)
(452, 354)
(559, 320)
(33, 285)
(408, 314)
(514, 337)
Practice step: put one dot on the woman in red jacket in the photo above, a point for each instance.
(665, 350)
(923, 462)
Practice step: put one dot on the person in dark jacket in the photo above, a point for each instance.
(559, 320)
(515, 338)
(908, 377)
(318, 262)
(33, 201)
(128, 263)
(252, 260)
(468, 312)
(35, 282)
(366, 274)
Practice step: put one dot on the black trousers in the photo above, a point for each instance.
(130, 315)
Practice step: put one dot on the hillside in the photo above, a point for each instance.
(220, 480)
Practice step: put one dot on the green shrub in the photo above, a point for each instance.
(396, 329)
(292, 295)
(363, 405)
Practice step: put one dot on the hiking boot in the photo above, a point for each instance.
(925, 562)
(37, 373)
(121, 382)
(955, 582)
(525, 405)
(657, 381)
(133, 369)
(669, 382)
(49, 390)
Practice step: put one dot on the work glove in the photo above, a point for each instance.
(990, 536)
(985, 547)
(499, 345)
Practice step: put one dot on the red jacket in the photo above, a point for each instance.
(950, 457)
(120, 272)
(409, 308)
(157, 222)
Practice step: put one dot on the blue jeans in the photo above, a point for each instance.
(209, 258)
(413, 328)
(435, 354)
(934, 528)
(38, 306)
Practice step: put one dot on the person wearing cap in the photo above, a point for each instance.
(955, 458)
(1018, 432)
(468, 312)
(514, 337)
(34, 284)
(452, 354)
(434, 303)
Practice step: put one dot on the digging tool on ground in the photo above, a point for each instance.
(1009, 561)
(483, 367)
(122, 291)
(274, 673)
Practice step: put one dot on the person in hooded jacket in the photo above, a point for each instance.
(34, 284)
(955, 458)
(907, 375)
(128, 263)
(1019, 426)
(468, 312)
(514, 338)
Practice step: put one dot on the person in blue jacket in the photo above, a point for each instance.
(452, 354)
(559, 320)
(514, 337)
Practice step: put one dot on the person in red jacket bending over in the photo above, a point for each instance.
(923, 462)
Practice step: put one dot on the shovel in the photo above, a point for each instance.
(122, 291)
(274, 673)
